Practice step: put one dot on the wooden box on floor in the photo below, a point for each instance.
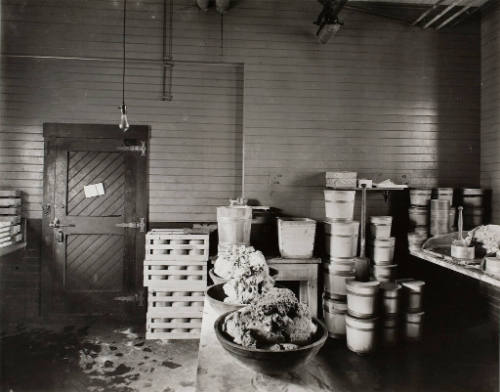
(11, 232)
(175, 273)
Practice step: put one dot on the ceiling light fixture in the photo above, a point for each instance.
(124, 125)
(328, 20)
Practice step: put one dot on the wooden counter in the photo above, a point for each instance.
(471, 271)
(218, 371)
(469, 360)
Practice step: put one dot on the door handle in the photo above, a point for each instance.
(56, 224)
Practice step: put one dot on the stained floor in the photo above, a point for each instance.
(94, 357)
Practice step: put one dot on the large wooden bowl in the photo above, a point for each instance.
(267, 361)
(217, 279)
(215, 296)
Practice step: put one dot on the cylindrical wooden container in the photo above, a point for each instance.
(391, 294)
(414, 325)
(385, 273)
(420, 197)
(491, 265)
(413, 291)
(439, 217)
(360, 334)
(335, 275)
(445, 194)
(339, 205)
(415, 240)
(380, 227)
(341, 239)
(334, 313)
(419, 216)
(383, 251)
(472, 197)
(362, 298)
(390, 332)
(234, 224)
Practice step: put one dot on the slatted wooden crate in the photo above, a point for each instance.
(10, 201)
(11, 231)
(9, 220)
(173, 275)
(176, 244)
(10, 210)
(174, 315)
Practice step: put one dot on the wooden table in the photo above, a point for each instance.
(471, 271)
(220, 372)
(304, 271)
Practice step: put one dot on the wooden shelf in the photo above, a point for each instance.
(12, 248)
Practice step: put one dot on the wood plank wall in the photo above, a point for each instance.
(490, 106)
(382, 98)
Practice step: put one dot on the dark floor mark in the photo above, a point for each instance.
(121, 369)
(186, 383)
(139, 344)
(113, 348)
(108, 364)
(170, 365)
(147, 349)
(119, 354)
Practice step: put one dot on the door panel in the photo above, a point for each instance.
(94, 262)
(90, 256)
(85, 168)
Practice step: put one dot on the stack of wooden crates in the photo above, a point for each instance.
(175, 273)
(10, 218)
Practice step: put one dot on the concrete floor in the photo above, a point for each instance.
(113, 356)
(94, 357)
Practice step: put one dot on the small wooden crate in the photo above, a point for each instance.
(10, 210)
(10, 201)
(177, 244)
(174, 275)
(166, 327)
(174, 315)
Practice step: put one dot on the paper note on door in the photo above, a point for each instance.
(94, 190)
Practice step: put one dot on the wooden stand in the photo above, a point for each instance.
(304, 271)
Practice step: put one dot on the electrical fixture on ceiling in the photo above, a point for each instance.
(124, 125)
(328, 19)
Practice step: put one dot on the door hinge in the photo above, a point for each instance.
(141, 148)
(141, 225)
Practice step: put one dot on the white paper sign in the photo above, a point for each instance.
(94, 190)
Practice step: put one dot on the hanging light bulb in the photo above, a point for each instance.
(124, 125)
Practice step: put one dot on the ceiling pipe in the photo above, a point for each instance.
(427, 12)
(456, 15)
(444, 12)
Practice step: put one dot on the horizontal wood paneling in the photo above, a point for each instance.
(381, 98)
(490, 106)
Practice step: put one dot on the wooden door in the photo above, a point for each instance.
(93, 245)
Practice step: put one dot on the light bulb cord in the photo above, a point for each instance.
(124, 31)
